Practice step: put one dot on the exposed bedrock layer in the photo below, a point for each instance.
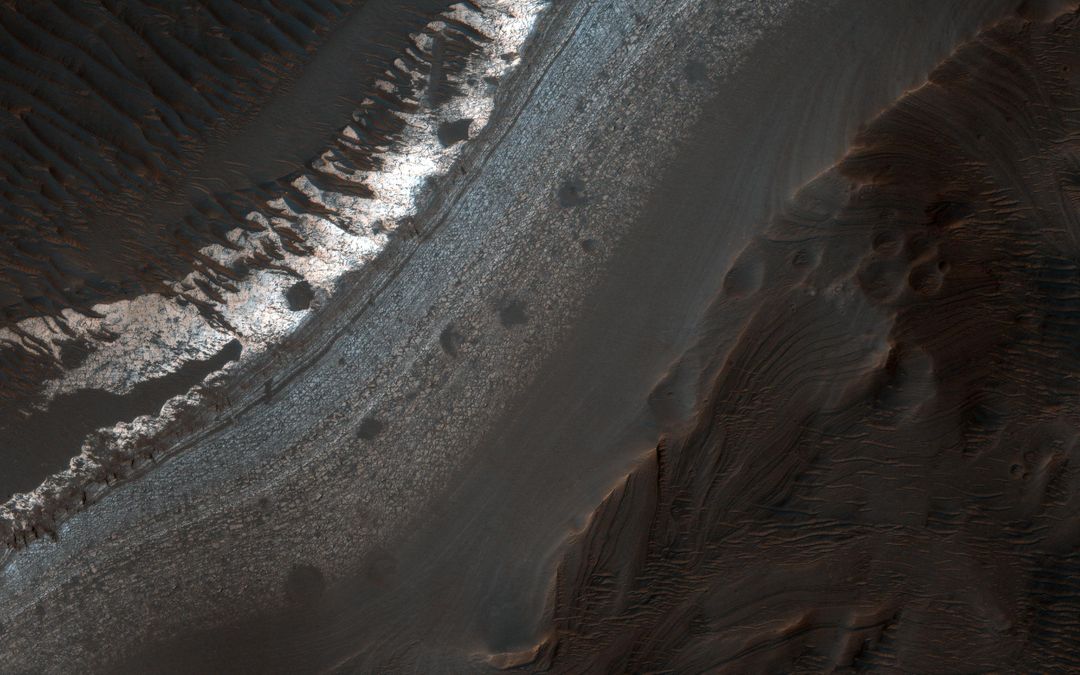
(135, 133)
(123, 125)
(827, 488)
(310, 143)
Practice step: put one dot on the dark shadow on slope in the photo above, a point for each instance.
(41, 444)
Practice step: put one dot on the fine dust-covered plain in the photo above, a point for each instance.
(578, 336)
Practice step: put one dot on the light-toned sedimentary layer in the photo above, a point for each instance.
(153, 335)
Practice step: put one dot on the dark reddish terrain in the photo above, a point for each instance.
(882, 468)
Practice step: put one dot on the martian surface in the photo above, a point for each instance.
(543, 336)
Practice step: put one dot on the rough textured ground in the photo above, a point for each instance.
(879, 468)
(746, 352)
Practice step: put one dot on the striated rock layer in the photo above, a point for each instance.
(306, 169)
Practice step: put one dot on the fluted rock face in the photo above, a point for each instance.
(881, 469)
(187, 182)
(136, 133)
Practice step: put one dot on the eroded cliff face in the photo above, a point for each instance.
(185, 184)
(137, 133)
(879, 468)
